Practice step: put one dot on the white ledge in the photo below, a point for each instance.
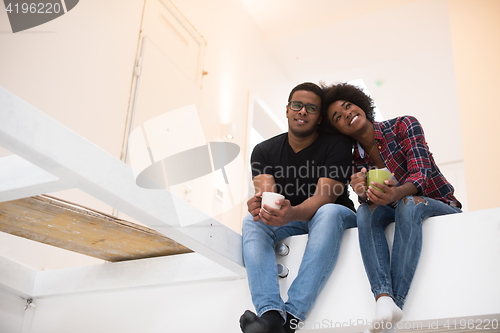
(16, 278)
(457, 275)
(169, 270)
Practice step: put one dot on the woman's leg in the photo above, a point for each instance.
(410, 213)
(372, 220)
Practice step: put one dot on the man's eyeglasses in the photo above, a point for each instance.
(297, 106)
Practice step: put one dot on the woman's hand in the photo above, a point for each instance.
(358, 184)
(390, 194)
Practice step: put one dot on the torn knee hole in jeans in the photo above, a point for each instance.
(416, 200)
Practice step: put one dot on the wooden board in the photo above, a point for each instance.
(58, 223)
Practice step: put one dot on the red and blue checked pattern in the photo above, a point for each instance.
(402, 146)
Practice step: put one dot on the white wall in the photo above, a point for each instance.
(77, 69)
(237, 61)
(475, 30)
(180, 309)
(11, 312)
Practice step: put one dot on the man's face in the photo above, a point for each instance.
(301, 123)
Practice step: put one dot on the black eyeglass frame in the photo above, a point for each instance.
(306, 105)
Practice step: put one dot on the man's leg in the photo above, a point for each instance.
(260, 261)
(325, 233)
(410, 213)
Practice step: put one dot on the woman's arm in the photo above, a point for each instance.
(411, 137)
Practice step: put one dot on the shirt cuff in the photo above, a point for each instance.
(419, 184)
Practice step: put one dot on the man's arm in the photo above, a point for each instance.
(327, 191)
(264, 183)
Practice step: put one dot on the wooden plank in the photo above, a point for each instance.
(58, 223)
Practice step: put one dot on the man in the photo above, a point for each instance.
(310, 169)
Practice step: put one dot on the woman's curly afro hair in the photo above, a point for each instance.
(346, 92)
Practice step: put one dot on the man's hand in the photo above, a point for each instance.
(391, 192)
(358, 183)
(254, 205)
(277, 217)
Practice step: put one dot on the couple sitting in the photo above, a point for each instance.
(317, 203)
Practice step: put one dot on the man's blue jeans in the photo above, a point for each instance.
(325, 233)
(394, 276)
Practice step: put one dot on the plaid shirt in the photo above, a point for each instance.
(403, 149)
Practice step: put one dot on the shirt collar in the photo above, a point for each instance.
(377, 133)
(361, 151)
(377, 129)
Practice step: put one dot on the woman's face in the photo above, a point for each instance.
(346, 117)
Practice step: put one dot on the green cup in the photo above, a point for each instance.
(377, 176)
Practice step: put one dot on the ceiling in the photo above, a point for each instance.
(279, 18)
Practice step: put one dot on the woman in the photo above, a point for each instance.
(417, 190)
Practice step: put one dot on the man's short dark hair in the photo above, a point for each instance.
(308, 86)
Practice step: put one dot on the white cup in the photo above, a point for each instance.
(269, 198)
